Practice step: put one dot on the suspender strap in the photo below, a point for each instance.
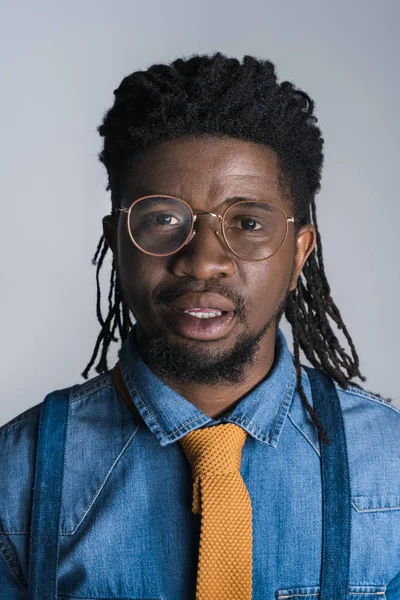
(46, 507)
(336, 496)
(47, 492)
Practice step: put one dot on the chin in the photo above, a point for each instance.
(220, 361)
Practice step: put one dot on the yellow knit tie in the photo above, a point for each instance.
(221, 497)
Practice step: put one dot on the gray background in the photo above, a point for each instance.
(61, 62)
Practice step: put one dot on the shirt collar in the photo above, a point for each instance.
(169, 416)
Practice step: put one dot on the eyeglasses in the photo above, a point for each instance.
(161, 225)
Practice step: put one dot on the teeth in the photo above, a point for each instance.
(203, 315)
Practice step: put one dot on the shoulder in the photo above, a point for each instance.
(76, 392)
(372, 423)
(369, 417)
(372, 429)
(28, 420)
(17, 451)
(18, 442)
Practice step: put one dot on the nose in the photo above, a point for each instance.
(205, 255)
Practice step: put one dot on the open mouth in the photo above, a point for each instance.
(201, 323)
(202, 313)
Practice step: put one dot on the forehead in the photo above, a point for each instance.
(205, 171)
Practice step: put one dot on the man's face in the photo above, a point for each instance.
(207, 173)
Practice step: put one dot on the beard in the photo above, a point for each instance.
(181, 364)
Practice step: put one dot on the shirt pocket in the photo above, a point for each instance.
(354, 592)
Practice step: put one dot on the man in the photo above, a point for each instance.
(208, 463)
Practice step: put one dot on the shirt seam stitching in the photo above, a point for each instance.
(367, 396)
(102, 484)
(303, 433)
(84, 393)
(30, 417)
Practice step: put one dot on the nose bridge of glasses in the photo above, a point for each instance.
(201, 214)
(205, 214)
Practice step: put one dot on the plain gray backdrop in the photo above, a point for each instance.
(61, 62)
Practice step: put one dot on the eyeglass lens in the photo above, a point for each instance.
(253, 230)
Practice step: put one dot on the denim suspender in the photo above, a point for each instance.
(336, 508)
(47, 493)
(336, 496)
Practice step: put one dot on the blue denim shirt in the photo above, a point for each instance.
(127, 527)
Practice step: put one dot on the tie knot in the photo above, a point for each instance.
(214, 450)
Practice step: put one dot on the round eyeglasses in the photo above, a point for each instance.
(161, 225)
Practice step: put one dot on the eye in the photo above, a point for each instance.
(247, 224)
(165, 219)
(161, 220)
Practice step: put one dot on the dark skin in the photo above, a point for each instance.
(206, 172)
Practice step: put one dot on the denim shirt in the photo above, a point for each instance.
(127, 530)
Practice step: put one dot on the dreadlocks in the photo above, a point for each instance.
(221, 96)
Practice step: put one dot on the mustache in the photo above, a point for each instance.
(169, 294)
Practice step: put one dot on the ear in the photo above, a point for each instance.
(305, 244)
(110, 231)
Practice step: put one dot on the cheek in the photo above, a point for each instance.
(139, 274)
(267, 286)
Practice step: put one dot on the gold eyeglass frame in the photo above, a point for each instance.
(192, 231)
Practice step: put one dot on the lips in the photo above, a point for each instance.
(194, 328)
(203, 329)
